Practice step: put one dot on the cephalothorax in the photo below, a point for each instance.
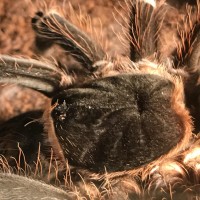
(130, 111)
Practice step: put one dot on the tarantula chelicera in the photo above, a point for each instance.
(125, 132)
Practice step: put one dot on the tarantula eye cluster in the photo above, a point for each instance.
(127, 117)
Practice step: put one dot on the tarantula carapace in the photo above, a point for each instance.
(125, 132)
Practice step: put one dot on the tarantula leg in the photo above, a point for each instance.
(144, 26)
(19, 187)
(187, 56)
(39, 76)
(55, 29)
(187, 52)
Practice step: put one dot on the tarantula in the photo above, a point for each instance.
(125, 132)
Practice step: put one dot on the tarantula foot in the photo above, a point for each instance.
(39, 13)
(40, 27)
(39, 24)
(37, 17)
